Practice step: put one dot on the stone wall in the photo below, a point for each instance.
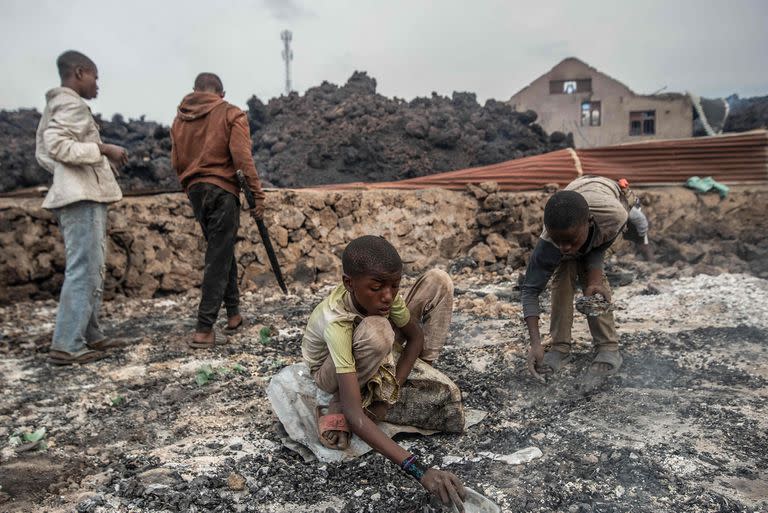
(703, 233)
(156, 248)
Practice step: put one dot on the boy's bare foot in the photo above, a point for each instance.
(205, 340)
(606, 363)
(553, 361)
(234, 322)
(339, 438)
(204, 337)
(85, 356)
(333, 418)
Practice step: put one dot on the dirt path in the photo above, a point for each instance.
(682, 427)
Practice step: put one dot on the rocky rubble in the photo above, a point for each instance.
(344, 134)
(148, 144)
(747, 114)
(506, 227)
(331, 134)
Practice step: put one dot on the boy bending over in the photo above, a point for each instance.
(348, 347)
(580, 223)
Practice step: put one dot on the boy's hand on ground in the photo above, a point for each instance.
(599, 288)
(117, 154)
(535, 356)
(445, 486)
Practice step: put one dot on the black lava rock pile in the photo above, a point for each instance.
(331, 134)
(344, 134)
(148, 144)
(747, 114)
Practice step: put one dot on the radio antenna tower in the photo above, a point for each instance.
(286, 36)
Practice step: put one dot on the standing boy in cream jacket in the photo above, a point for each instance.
(83, 168)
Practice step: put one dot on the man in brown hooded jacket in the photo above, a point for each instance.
(211, 141)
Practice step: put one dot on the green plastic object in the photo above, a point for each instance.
(707, 184)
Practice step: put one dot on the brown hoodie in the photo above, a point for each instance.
(211, 140)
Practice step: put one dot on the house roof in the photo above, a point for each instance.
(669, 96)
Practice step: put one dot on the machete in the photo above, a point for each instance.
(263, 232)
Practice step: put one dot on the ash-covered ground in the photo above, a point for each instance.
(682, 427)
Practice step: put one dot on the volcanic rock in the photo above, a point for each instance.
(331, 134)
(746, 114)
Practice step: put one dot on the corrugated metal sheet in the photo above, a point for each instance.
(727, 158)
(513, 175)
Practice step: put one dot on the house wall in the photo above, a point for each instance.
(562, 112)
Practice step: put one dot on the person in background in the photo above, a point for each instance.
(68, 145)
(211, 142)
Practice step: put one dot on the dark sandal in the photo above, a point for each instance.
(232, 329)
(106, 343)
(331, 422)
(554, 360)
(217, 341)
(613, 358)
(85, 356)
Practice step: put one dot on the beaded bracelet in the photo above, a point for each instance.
(411, 467)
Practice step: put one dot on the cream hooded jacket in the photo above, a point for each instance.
(67, 146)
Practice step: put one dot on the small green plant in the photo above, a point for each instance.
(204, 374)
(35, 436)
(264, 335)
(116, 401)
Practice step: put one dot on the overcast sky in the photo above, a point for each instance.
(148, 52)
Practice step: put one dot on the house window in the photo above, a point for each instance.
(590, 113)
(642, 122)
(570, 86)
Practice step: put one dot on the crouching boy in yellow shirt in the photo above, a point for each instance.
(348, 346)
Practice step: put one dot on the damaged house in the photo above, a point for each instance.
(600, 111)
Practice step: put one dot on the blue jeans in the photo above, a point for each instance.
(84, 227)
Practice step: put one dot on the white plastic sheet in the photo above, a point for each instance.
(294, 395)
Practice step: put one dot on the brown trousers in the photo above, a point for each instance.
(430, 302)
(602, 327)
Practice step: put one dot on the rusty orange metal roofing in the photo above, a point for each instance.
(727, 158)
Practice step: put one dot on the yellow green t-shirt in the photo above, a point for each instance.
(329, 330)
